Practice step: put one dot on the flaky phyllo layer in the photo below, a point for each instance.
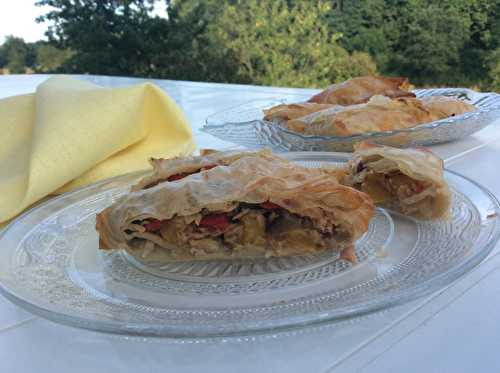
(359, 90)
(380, 113)
(177, 168)
(362, 105)
(410, 181)
(256, 205)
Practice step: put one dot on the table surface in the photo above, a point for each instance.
(453, 330)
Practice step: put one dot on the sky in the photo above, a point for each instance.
(17, 18)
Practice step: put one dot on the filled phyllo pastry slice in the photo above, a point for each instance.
(172, 169)
(285, 112)
(359, 90)
(251, 208)
(379, 114)
(409, 181)
(443, 107)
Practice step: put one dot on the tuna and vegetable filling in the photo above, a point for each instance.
(179, 176)
(264, 227)
(394, 189)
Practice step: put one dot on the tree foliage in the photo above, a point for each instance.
(271, 42)
(114, 37)
(16, 54)
(433, 42)
(429, 42)
(261, 42)
(50, 58)
(275, 43)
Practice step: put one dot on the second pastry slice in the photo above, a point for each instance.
(249, 209)
(410, 181)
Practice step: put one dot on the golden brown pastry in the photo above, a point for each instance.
(409, 181)
(379, 114)
(286, 112)
(359, 90)
(172, 169)
(252, 208)
(443, 107)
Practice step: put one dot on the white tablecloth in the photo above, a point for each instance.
(454, 330)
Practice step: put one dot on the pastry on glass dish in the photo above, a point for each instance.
(285, 112)
(353, 91)
(359, 90)
(252, 208)
(443, 107)
(380, 113)
(172, 169)
(409, 181)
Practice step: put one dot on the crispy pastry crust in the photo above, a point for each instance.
(164, 168)
(379, 114)
(253, 179)
(360, 90)
(444, 107)
(419, 164)
(285, 112)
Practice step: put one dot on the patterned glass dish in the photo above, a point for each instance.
(50, 264)
(244, 125)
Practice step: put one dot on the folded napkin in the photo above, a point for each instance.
(70, 133)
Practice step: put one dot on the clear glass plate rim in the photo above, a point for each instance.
(421, 289)
(377, 134)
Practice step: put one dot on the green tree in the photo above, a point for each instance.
(492, 80)
(3, 57)
(282, 42)
(366, 26)
(114, 37)
(190, 54)
(50, 58)
(480, 60)
(16, 53)
(432, 42)
(32, 49)
(430, 39)
(483, 39)
(267, 42)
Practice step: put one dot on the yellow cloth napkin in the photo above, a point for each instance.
(70, 133)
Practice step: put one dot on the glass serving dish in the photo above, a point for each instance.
(244, 125)
(50, 264)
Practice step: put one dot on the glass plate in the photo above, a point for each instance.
(244, 125)
(50, 265)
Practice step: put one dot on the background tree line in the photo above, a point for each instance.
(18, 57)
(272, 42)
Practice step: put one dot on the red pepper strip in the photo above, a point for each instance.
(153, 225)
(152, 184)
(179, 176)
(204, 168)
(182, 175)
(218, 222)
(419, 187)
(269, 205)
(422, 149)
